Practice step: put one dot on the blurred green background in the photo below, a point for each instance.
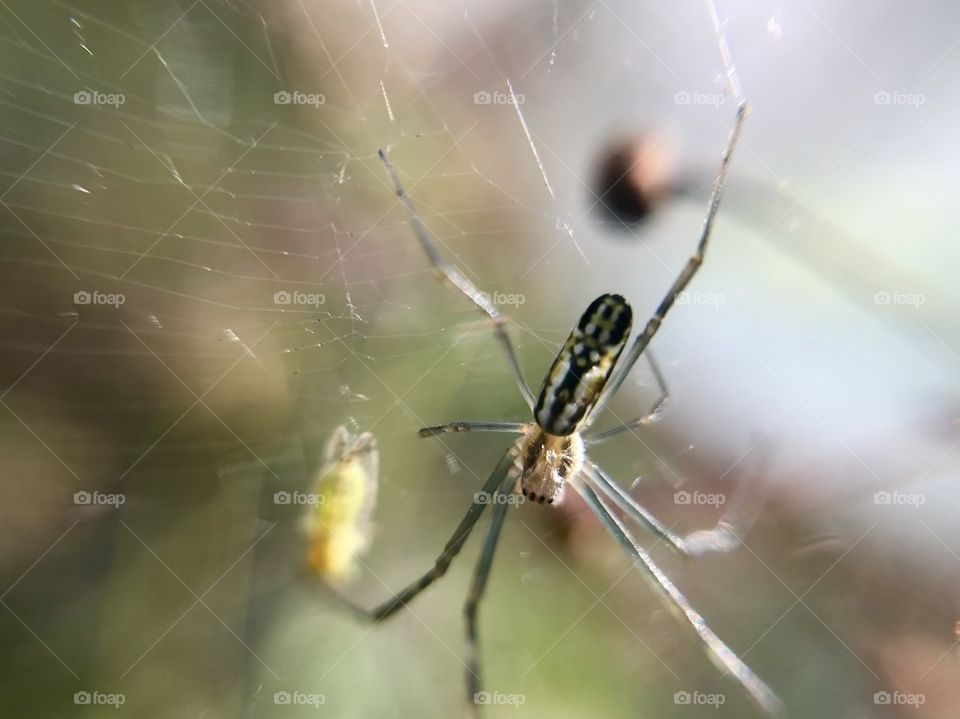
(179, 164)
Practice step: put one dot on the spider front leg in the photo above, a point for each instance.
(459, 282)
(689, 270)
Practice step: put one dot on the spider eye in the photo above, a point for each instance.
(583, 366)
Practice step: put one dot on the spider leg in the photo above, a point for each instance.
(720, 653)
(687, 273)
(513, 427)
(649, 418)
(722, 538)
(480, 575)
(597, 479)
(458, 281)
(452, 548)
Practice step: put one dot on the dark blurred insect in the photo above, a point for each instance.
(631, 180)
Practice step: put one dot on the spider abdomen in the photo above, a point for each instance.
(546, 461)
(583, 366)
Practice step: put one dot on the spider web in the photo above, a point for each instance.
(205, 271)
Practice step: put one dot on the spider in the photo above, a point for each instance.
(550, 452)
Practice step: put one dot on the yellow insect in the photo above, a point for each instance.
(338, 523)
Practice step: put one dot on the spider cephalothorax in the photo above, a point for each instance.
(546, 461)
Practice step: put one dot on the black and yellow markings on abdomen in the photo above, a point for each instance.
(582, 368)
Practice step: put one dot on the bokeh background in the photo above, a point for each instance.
(149, 162)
